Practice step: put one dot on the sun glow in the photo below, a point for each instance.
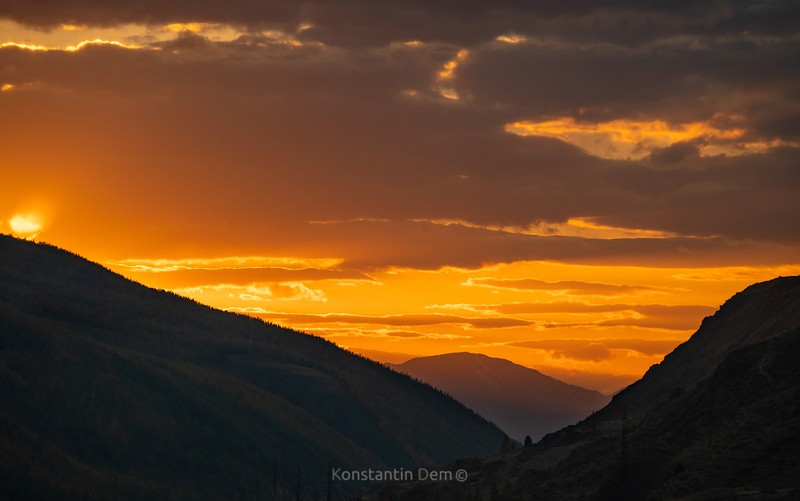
(25, 225)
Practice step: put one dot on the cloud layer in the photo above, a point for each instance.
(362, 135)
(372, 141)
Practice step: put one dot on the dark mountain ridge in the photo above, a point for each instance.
(718, 418)
(114, 390)
(759, 312)
(520, 400)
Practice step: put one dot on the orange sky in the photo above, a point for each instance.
(571, 200)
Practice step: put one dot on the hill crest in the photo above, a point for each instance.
(521, 400)
(110, 387)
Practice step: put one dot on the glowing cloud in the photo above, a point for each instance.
(575, 226)
(24, 46)
(193, 27)
(69, 48)
(97, 41)
(73, 37)
(631, 139)
(571, 286)
(224, 263)
(216, 32)
(448, 73)
(512, 39)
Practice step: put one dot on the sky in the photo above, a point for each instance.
(572, 186)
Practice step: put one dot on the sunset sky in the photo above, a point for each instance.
(572, 186)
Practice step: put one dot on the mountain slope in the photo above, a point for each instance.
(111, 389)
(719, 418)
(755, 314)
(519, 400)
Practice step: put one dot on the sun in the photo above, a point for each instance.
(26, 225)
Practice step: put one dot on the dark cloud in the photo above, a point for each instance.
(574, 287)
(351, 22)
(238, 145)
(668, 323)
(599, 349)
(650, 310)
(396, 320)
(360, 332)
(51, 13)
(664, 310)
(418, 245)
(680, 80)
(248, 275)
(659, 316)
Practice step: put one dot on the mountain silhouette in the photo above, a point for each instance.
(114, 390)
(521, 401)
(718, 418)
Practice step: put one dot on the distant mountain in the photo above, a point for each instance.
(519, 400)
(109, 389)
(607, 384)
(719, 418)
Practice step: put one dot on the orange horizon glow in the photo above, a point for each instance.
(393, 196)
(595, 325)
(583, 323)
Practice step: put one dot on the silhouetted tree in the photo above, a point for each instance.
(528, 441)
(506, 445)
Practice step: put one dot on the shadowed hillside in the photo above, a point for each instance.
(719, 418)
(114, 390)
(519, 400)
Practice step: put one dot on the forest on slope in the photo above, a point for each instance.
(112, 389)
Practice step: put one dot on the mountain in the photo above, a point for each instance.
(760, 312)
(521, 401)
(718, 418)
(110, 389)
(607, 384)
